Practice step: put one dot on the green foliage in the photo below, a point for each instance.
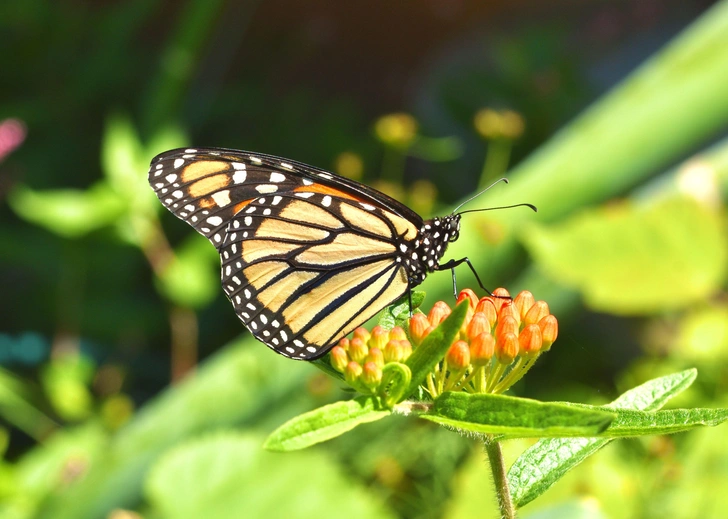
(516, 417)
(219, 475)
(398, 313)
(324, 423)
(619, 257)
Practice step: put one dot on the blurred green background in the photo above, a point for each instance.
(128, 388)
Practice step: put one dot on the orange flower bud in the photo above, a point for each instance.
(379, 338)
(507, 324)
(397, 333)
(549, 331)
(509, 309)
(487, 308)
(362, 333)
(406, 348)
(344, 343)
(467, 294)
(478, 324)
(418, 325)
(376, 356)
(339, 358)
(372, 375)
(393, 352)
(466, 322)
(458, 356)
(523, 302)
(538, 311)
(439, 312)
(352, 372)
(529, 341)
(500, 297)
(358, 349)
(482, 348)
(506, 347)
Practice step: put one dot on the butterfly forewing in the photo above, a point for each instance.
(306, 256)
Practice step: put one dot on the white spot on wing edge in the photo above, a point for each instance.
(266, 188)
(239, 177)
(277, 177)
(326, 201)
(286, 165)
(178, 163)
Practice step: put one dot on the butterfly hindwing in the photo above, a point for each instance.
(304, 269)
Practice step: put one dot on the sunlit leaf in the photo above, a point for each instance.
(635, 260)
(515, 417)
(324, 423)
(68, 212)
(228, 475)
(538, 468)
(192, 279)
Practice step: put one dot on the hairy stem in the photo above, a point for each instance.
(497, 466)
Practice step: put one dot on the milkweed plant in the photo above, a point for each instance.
(452, 366)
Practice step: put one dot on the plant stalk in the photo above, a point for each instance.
(498, 468)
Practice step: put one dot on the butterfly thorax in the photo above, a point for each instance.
(430, 246)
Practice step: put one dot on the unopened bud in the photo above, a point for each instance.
(506, 347)
(529, 341)
(372, 375)
(509, 310)
(478, 324)
(438, 313)
(487, 308)
(458, 356)
(339, 358)
(344, 343)
(397, 333)
(352, 372)
(523, 302)
(358, 349)
(467, 294)
(362, 333)
(500, 297)
(482, 348)
(418, 326)
(394, 352)
(549, 331)
(379, 338)
(506, 325)
(376, 356)
(538, 311)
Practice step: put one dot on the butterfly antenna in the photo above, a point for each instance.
(476, 195)
(530, 206)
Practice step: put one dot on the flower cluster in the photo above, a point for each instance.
(499, 332)
(499, 341)
(362, 357)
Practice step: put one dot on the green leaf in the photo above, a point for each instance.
(192, 279)
(398, 314)
(435, 345)
(538, 468)
(642, 423)
(636, 248)
(324, 423)
(655, 393)
(68, 212)
(228, 475)
(515, 417)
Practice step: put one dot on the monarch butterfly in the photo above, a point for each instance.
(307, 255)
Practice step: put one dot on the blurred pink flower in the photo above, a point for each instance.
(12, 135)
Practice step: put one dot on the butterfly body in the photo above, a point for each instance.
(307, 256)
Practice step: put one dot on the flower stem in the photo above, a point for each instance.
(498, 467)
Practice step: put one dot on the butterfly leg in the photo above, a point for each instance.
(454, 263)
